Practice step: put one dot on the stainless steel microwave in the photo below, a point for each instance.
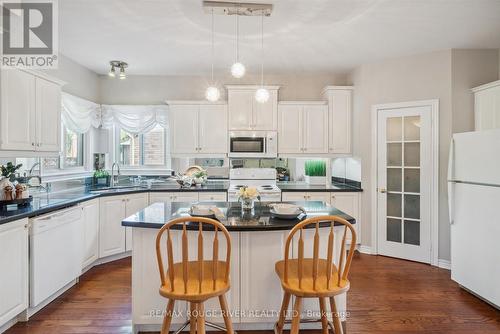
(253, 144)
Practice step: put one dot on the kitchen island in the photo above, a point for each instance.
(258, 242)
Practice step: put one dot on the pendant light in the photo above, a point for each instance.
(262, 94)
(238, 69)
(212, 93)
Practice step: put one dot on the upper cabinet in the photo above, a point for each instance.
(30, 112)
(487, 106)
(198, 128)
(245, 113)
(339, 114)
(303, 128)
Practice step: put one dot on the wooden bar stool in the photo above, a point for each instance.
(315, 277)
(194, 281)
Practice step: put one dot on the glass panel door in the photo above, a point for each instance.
(403, 217)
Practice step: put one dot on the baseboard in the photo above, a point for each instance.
(444, 264)
(107, 259)
(365, 249)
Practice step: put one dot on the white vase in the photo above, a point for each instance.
(315, 180)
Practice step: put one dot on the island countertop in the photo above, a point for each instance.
(157, 214)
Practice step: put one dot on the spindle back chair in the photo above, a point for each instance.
(198, 280)
(316, 277)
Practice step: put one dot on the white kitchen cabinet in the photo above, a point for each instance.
(173, 197)
(305, 196)
(303, 128)
(212, 196)
(115, 238)
(30, 112)
(349, 203)
(198, 128)
(135, 203)
(14, 263)
(290, 133)
(90, 232)
(184, 128)
(245, 113)
(339, 117)
(17, 114)
(111, 232)
(487, 106)
(260, 250)
(48, 115)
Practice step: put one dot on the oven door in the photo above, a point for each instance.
(241, 147)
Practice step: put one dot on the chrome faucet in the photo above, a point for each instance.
(114, 178)
(38, 177)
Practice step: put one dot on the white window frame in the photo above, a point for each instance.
(144, 169)
(65, 170)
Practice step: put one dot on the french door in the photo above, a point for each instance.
(404, 184)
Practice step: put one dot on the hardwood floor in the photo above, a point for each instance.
(387, 296)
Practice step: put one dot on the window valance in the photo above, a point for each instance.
(135, 119)
(79, 115)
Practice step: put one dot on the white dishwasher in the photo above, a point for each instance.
(55, 252)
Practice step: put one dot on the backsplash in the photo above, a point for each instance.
(347, 170)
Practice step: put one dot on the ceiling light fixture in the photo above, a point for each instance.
(262, 94)
(118, 64)
(238, 69)
(212, 93)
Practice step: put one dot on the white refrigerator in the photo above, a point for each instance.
(474, 204)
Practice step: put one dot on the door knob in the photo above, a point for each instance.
(383, 190)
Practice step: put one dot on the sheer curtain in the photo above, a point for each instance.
(134, 119)
(79, 115)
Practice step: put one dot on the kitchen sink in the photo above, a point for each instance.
(116, 189)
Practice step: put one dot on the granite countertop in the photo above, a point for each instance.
(45, 203)
(155, 216)
(302, 186)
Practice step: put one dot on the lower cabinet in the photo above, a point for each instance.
(14, 264)
(212, 197)
(173, 197)
(113, 236)
(90, 232)
(350, 204)
(305, 196)
(134, 203)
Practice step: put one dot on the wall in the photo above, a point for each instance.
(470, 68)
(445, 75)
(157, 89)
(80, 81)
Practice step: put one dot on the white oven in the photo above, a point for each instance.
(253, 144)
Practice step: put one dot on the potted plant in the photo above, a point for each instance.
(101, 177)
(315, 171)
(9, 170)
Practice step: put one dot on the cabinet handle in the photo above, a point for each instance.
(32, 144)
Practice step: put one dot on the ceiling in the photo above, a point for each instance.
(172, 37)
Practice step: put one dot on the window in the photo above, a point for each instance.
(71, 155)
(72, 149)
(147, 149)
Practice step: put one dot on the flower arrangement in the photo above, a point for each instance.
(247, 197)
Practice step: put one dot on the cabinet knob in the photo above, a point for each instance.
(32, 144)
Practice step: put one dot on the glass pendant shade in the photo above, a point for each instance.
(212, 94)
(112, 72)
(262, 95)
(122, 74)
(238, 70)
